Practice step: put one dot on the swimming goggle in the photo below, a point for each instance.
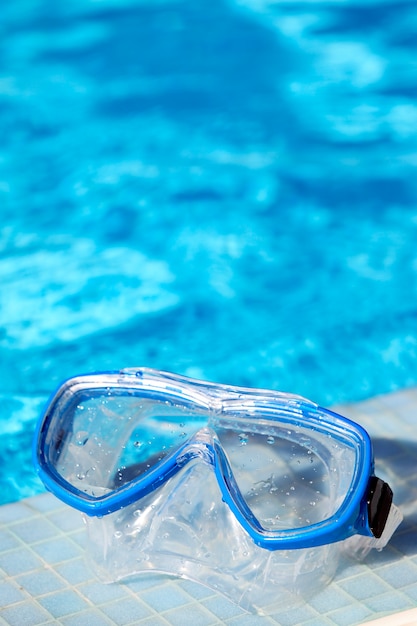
(292, 474)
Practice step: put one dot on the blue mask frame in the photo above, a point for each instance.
(364, 510)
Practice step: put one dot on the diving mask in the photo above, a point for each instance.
(251, 492)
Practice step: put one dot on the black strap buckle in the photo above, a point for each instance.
(379, 504)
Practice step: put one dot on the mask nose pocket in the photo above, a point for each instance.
(182, 527)
(186, 529)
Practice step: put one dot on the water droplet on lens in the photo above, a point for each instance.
(81, 438)
(270, 440)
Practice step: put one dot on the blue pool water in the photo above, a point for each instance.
(222, 188)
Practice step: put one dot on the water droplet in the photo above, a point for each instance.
(183, 434)
(270, 440)
(243, 438)
(81, 476)
(81, 438)
(182, 425)
(118, 534)
(137, 513)
(137, 444)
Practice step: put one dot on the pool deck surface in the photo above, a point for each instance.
(45, 579)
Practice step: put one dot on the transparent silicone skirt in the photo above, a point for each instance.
(253, 493)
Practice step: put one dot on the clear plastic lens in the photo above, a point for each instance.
(114, 437)
(288, 478)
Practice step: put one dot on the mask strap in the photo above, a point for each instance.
(379, 504)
